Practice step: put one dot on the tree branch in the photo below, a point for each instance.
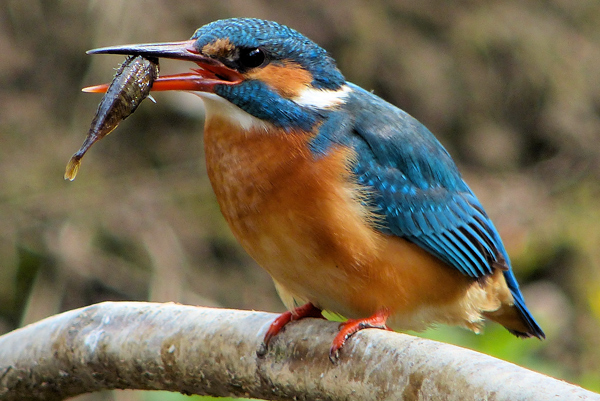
(194, 350)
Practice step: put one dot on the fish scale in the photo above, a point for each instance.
(130, 86)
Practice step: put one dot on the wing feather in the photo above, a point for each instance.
(416, 188)
(412, 183)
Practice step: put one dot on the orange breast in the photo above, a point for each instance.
(302, 220)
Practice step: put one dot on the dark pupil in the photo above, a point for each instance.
(251, 58)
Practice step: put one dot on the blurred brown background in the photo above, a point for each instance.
(512, 89)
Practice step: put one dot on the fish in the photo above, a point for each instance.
(130, 86)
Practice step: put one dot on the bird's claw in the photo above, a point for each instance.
(307, 310)
(352, 326)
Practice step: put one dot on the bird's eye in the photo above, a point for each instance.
(252, 58)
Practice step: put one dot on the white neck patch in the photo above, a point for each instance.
(215, 105)
(322, 98)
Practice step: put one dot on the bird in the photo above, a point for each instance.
(348, 202)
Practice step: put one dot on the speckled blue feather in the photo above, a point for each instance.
(416, 188)
(413, 183)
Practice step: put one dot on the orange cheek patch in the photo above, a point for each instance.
(288, 79)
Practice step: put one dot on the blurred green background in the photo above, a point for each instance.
(512, 89)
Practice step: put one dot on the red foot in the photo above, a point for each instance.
(351, 326)
(307, 310)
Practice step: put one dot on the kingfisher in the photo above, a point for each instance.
(349, 203)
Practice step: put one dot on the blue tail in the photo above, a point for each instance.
(534, 329)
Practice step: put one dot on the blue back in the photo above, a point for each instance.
(417, 190)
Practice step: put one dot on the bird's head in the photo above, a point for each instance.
(268, 70)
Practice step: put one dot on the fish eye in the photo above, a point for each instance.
(252, 58)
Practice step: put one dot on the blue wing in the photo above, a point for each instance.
(416, 188)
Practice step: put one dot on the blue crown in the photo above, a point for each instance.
(279, 41)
